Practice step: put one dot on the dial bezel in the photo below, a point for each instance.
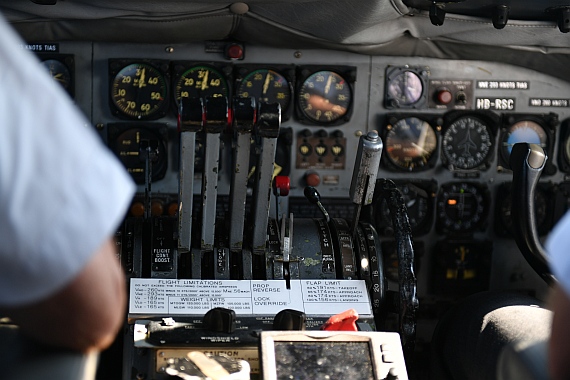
(287, 72)
(547, 122)
(395, 74)
(446, 223)
(304, 75)
(157, 107)
(398, 123)
(182, 69)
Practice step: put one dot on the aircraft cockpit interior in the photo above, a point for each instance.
(325, 189)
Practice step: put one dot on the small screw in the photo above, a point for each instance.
(169, 49)
(297, 54)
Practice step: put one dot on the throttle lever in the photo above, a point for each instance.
(191, 116)
(527, 162)
(267, 128)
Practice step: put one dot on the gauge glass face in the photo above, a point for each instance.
(139, 90)
(525, 131)
(410, 143)
(58, 71)
(325, 97)
(466, 143)
(130, 146)
(201, 82)
(540, 210)
(417, 205)
(461, 207)
(266, 86)
(406, 88)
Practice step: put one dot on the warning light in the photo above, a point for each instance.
(452, 202)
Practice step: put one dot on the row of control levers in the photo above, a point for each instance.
(205, 289)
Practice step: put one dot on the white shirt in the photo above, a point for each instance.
(62, 192)
(558, 248)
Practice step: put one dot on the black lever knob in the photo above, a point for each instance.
(312, 194)
(289, 319)
(314, 197)
(191, 115)
(220, 319)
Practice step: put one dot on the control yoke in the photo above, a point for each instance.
(527, 162)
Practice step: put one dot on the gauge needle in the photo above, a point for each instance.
(142, 78)
(266, 84)
(422, 139)
(328, 86)
(418, 147)
(205, 81)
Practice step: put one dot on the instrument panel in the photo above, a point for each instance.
(447, 128)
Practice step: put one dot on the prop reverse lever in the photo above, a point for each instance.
(364, 175)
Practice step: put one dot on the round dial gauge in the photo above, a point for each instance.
(266, 86)
(58, 71)
(139, 90)
(405, 88)
(540, 211)
(417, 205)
(200, 81)
(410, 143)
(526, 131)
(461, 207)
(325, 97)
(466, 143)
(567, 149)
(130, 145)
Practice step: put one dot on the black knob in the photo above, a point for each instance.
(220, 319)
(217, 113)
(500, 16)
(191, 115)
(312, 194)
(289, 319)
(436, 14)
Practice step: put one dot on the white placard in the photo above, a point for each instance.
(247, 297)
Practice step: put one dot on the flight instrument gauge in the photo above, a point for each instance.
(419, 199)
(461, 207)
(130, 144)
(542, 210)
(467, 143)
(405, 87)
(139, 91)
(564, 148)
(325, 97)
(410, 144)
(266, 86)
(60, 72)
(527, 131)
(200, 81)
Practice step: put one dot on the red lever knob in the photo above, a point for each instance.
(282, 185)
(345, 321)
